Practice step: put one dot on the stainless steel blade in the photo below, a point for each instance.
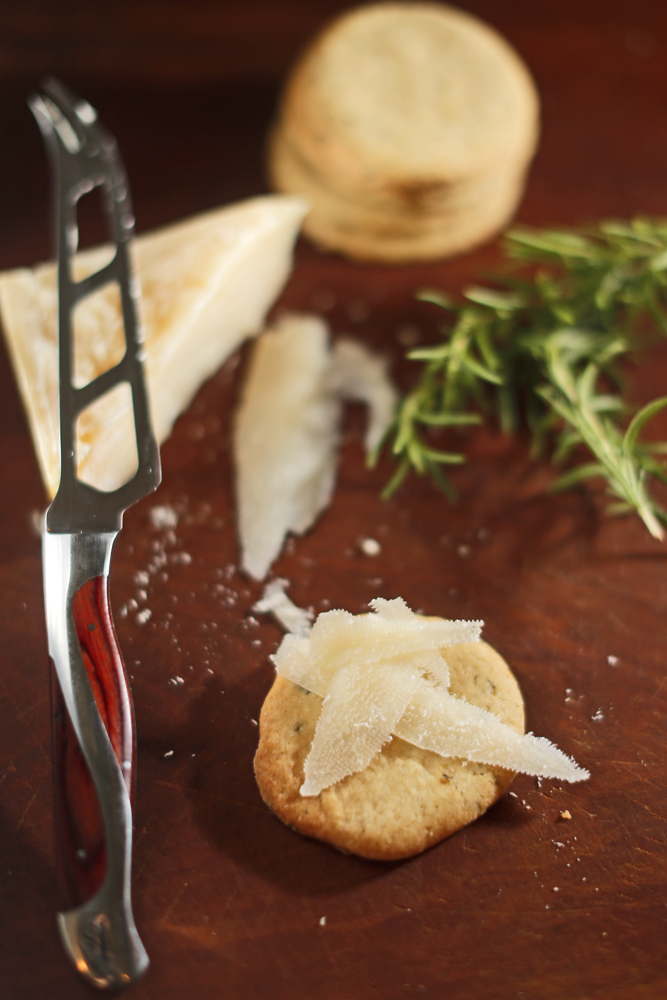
(81, 526)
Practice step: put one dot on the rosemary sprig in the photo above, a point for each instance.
(543, 349)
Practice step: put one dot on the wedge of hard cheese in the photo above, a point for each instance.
(207, 284)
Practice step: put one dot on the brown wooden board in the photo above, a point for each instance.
(229, 902)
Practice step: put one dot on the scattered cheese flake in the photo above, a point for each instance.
(613, 661)
(181, 558)
(163, 516)
(565, 814)
(292, 618)
(384, 673)
(370, 547)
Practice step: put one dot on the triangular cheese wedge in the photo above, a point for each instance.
(207, 284)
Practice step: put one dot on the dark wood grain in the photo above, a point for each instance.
(522, 904)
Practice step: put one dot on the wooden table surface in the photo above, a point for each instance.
(228, 901)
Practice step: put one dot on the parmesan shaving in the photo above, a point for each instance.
(384, 674)
(346, 741)
(292, 618)
(439, 721)
(358, 374)
(285, 439)
(287, 430)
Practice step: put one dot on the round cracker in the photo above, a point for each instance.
(409, 127)
(394, 233)
(407, 799)
(397, 98)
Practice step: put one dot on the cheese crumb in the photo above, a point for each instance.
(274, 600)
(370, 547)
(163, 516)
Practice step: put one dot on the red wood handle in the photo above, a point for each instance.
(80, 844)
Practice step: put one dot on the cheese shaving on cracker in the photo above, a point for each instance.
(384, 674)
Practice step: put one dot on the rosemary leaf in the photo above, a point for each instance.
(542, 349)
(638, 421)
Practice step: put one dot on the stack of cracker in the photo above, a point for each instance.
(409, 127)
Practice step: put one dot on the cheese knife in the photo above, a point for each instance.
(93, 721)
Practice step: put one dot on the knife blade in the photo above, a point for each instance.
(93, 721)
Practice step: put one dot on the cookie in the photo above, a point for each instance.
(407, 799)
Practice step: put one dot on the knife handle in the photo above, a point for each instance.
(80, 842)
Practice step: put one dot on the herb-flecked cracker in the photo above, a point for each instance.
(407, 799)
